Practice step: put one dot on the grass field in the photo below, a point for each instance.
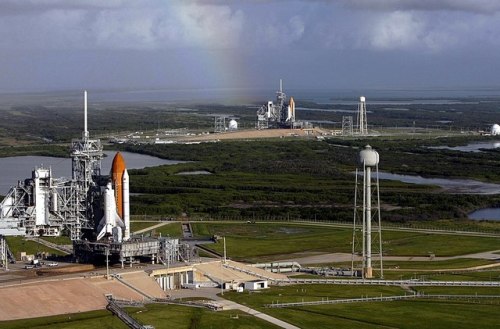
(396, 314)
(173, 230)
(438, 265)
(181, 317)
(18, 244)
(458, 263)
(160, 316)
(459, 290)
(57, 239)
(141, 225)
(271, 241)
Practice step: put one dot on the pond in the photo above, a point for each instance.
(19, 168)
(485, 214)
(472, 147)
(458, 186)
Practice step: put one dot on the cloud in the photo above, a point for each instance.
(475, 6)
(383, 25)
(395, 31)
(56, 24)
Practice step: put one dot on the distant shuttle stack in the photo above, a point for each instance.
(116, 219)
(291, 110)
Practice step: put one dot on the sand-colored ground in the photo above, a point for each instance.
(54, 297)
(219, 273)
(144, 283)
(259, 271)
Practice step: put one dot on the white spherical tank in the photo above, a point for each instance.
(233, 125)
(368, 156)
(495, 129)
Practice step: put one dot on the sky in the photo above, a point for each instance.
(48, 45)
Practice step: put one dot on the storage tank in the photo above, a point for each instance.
(233, 125)
(368, 156)
(495, 129)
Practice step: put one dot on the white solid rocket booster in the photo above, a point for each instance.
(126, 205)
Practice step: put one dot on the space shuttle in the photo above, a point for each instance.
(291, 110)
(116, 219)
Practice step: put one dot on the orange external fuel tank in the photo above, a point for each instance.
(117, 169)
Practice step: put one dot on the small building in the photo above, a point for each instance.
(256, 285)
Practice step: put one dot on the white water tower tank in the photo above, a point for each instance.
(495, 129)
(368, 157)
(233, 125)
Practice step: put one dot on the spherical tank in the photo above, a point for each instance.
(233, 125)
(495, 130)
(368, 156)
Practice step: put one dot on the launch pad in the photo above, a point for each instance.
(91, 208)
(159, 250)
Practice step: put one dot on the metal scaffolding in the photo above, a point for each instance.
(347, 126)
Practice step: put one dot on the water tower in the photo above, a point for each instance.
(367, 215)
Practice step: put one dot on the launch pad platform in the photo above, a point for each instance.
(161, 250)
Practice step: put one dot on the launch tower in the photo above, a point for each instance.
(86, 155)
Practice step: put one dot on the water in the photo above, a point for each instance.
(485, 213)
(392, 97)
(19, 168)
(195, 172)
(458, 186)
(472, 147)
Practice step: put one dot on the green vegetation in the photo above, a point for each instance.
(310, 292)
(173, 316)
(88, 320)
(422, 244)
(459, 290)
(429, 264)
(57, 239)
(396, 314)
(272, 241)
(173, 230)
(433, 264)
(301, 179)
(141, 225)
(160, 316)
(19, 244)
(259, 242)
(277, 179)
(40, 150)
